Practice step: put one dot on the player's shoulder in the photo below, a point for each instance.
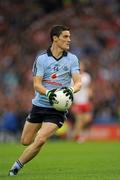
(72, 58)
(71, 55)
(41, 54)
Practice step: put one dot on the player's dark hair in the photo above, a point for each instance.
(56, 30)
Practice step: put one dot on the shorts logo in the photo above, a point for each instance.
(61, 122)
(29, 116)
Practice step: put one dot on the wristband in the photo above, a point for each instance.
(72, 89)
(47, 91)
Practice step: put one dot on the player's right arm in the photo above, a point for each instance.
(38, 73)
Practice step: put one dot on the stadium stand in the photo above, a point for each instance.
(95, 39)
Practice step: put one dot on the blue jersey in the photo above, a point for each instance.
(56, 73)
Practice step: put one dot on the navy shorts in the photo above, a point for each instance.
(41, 114)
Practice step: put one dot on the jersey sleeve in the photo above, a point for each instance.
(38, 67)
(75, 65)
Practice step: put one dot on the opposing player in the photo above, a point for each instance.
(51, 70)
(82, 106)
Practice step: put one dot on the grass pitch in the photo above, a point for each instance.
(63, 160)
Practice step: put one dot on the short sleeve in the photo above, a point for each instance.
(75, 65)
(38, 67)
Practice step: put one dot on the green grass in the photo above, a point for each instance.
(65, 161)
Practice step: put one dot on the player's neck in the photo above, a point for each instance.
(56, 51)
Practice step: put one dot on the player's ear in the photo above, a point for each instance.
(55, 38)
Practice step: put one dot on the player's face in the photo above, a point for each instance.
(63, 41)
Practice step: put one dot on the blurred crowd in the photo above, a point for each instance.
(24, 30)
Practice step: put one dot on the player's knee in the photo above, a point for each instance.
(25, 141)
(40, 141)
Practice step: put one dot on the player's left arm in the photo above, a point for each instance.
(75, 74)
(76, 82)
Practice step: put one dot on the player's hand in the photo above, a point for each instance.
(51, 95)
(68, 92)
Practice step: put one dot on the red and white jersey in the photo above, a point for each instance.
(82, 97)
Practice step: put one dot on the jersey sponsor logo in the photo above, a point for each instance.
(54, 76)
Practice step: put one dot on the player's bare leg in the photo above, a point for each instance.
(77, 126)
(81, 121)
(43, 134)
(29, 132)
(47, 130)
(28, 135)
